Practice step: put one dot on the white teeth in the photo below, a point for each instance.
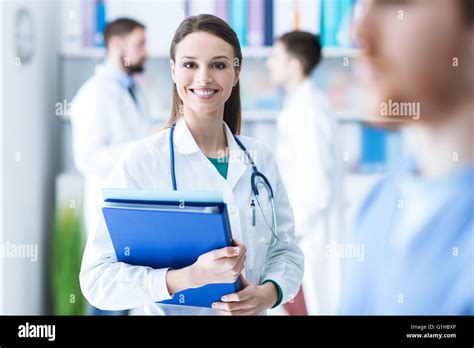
(205, 93)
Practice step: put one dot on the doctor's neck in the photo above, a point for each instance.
(116, 62)
(293, 82)
(208, 131)
(445, 143)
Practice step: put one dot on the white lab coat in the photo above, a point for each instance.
(113, 285)
(306, 154)
(105, 122)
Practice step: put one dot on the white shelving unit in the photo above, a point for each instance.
(250, 52)
(340, 52)
(98, 53)
(256, 115)
(83, 53)
(259, 115)
(249, 115)
(253, 115)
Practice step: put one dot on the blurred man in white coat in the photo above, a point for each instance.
(306, 155)
(109, 112)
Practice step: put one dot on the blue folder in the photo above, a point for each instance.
(164, 232)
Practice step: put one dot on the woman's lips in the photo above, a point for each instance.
(203, 93)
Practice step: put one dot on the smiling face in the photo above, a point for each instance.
(204, 73)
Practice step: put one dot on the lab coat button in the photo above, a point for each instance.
(231, 208)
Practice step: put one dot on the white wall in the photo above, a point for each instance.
(1, 155)
(161, 18)
(29, 128)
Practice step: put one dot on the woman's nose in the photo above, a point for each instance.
(204, 76)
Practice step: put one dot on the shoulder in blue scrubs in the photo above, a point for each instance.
(418, 239)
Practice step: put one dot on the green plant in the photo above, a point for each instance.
(67, 249)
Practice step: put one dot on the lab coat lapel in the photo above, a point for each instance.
(186, 145)
(183, 139)
(206, 177)
(237, 162)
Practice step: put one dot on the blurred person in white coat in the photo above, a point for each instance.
(306, 154)
(109, 112)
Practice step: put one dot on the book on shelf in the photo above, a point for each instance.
(336, 19)
(239, 19)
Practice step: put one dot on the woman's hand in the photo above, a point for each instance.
(219, 266)
(251, 300)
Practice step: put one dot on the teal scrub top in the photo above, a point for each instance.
(221, 164)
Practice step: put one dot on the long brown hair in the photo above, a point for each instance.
(215, 26)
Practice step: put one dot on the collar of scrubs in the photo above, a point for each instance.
(424, 198)
(409, 169)
(110, 69)
(184, 143)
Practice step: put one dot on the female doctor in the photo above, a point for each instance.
(199, 150)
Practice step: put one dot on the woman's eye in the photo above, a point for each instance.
(189, 65)
(218, 66)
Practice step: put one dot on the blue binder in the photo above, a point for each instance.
(174, 234)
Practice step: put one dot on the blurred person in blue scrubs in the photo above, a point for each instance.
(306, 155)
(417, 225)
(109, 113)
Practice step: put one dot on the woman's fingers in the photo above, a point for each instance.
(239, 296)
(244, 302)
(238, 243)
(240, 264)
(238, 250)
(232, 306)
(244, 281)
(226, 252)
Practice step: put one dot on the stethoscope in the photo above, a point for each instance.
(256, 179)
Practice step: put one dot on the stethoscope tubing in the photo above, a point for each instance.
(256, 174)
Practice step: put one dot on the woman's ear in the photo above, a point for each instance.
(237, 76)
(172, 65)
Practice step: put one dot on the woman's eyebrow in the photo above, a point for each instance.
(221, 57)
(216, 57)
